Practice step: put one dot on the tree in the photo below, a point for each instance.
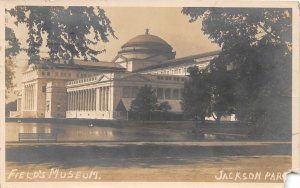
(197, 94)
(69, 31)
(12, 48)
(256, 43)
(144, 103)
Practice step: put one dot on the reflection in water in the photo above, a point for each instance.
(63, 132)
(80, 133)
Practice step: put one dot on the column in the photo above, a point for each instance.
(35, 96)
(79, 101)
(30, 101)
(100, 98)
(104, 100)
(25, 97)
(86, 100)
(107, 98)
(76, 101)
(71, 105)
(97, 90)
(29, 97)
(73, 101)
(82, 100)
(93, 99)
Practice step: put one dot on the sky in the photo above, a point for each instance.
(168, 23)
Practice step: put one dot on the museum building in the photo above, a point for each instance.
(105, 90)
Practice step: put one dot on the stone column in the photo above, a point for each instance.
(76, 100)
(97, 90)
(25, 97)
(91, 100)
(71, 101)
(102, 98)
(94, 99)
(79, 101)
(83, 100)
(30, 97)
(107, 98)
(86, 99)
(35, 94)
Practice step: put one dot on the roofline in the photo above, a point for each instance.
(171, 62)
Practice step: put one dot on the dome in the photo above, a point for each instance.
(146, 39)
(147, 46)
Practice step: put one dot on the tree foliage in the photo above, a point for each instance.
(253, 70)
(12, 48)
(145, 102)
(69, 31)
(197, 94)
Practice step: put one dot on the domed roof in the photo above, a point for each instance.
(148, 47)
(144, 40)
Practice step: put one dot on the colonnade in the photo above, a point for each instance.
(89, 99)
(29, 97)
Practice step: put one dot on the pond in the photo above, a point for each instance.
(86, 133)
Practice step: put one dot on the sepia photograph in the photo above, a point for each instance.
(148, 94)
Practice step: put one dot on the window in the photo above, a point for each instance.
(43, 89)
(48, 73)
(69, 74)
(168, 93)
(56, 73)
(43, 73)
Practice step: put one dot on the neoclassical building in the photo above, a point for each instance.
(105, 90)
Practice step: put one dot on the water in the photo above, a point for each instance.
(72, 132)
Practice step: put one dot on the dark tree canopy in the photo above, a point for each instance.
(70, 31)
(12, 48)
(197, 94)
(145, 102)
(256, 54)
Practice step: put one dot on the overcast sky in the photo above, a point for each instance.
(168, 23)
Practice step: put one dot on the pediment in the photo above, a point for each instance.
(119, 58)
(103, 78)
(136, 77)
